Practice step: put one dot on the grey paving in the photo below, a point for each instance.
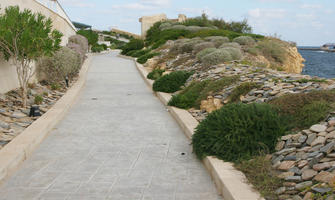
(124, 145)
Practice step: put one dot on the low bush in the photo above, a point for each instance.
(139, 53)
(205, 52)
(242, 89)
(254, 51)
(261, 175)
(226, 33)
(244, 40)
(217, 40)
(238, 132)
(306, 109)
(188, 97)
(155, 74)
(97, 48)
(79, 44)
(38, 99)
(172, 82)
(188, 46)
(230, 44)
(91, 36)
(143, 59)
(64, 63)
(217, 57)
(193, 94)
(55, 86)
(235, 53)
(273, 49)
(134, 44)
(201, 46)
(157, 38)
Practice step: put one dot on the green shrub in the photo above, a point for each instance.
(205, 52)
(235, 53)
(230, 44)
(55, 86)
(171, 82)
(244, 40)
(139, 53)
(305, 109)
(134, 44)
(157, 38)
(313, 113)
(38, 99)
(97, 48)
(201, 46)
(273, 49)
(143, 59)
(242, 89)
(91, 36)
(193, 94)
(238, 132)
(217, 57)
(155, 74)
(226, 33)
(188, 97)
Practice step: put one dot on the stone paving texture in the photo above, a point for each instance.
(124, 145)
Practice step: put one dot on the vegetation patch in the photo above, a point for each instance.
(217, 57)
(192, 95)
(238, 132)
(143, 59)
(244, 40)
(304, 110)
(155, 74)
(273, 49)
(205, 52)
(172, 82)
(188, 97)
(134, 44)
(242, 89)
(261, 175)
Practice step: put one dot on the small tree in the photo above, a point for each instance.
(24, 38)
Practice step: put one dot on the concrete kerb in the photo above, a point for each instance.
(21, 147)
(231, 183)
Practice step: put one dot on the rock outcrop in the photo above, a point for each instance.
(294, 62)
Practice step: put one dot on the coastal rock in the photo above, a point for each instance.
(308, 174)
(324, 177)
(318, 128)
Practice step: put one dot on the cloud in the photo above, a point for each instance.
(77, 3)
(196, 11)
(311, 6)
(267, 13)
(144, 5)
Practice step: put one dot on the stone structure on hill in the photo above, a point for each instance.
(148, 21)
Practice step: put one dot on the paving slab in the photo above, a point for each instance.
(117, 142)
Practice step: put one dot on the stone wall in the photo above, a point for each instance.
(8, 75)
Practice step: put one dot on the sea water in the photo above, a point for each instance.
(319, 63)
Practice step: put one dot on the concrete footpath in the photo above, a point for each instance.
(117, 142)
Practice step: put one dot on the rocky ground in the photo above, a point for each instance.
(14, 119)
(305, 160)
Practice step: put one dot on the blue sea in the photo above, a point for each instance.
(319, 63)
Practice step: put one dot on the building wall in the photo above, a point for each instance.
(148, 21)
(8, 75)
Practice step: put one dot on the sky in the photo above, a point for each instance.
(307, 22)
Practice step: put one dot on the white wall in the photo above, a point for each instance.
(8, 75)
